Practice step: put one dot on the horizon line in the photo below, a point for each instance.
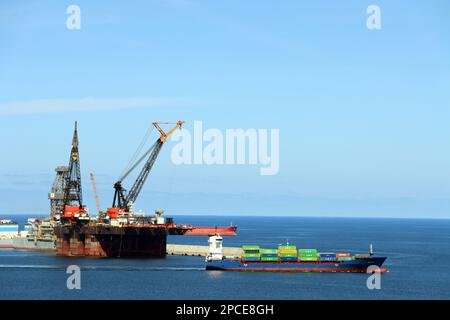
(273, 216)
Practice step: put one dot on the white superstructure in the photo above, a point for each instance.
(215, 248)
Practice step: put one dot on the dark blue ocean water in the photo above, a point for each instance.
(418, 259)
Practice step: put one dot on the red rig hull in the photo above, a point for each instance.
(114, 241)
(134, 240)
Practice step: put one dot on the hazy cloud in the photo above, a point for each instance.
(25, 180)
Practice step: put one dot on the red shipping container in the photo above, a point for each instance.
(343, 255)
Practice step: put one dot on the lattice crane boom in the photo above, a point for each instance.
(123, 200)
(94, 189)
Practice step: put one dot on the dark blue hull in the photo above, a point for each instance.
(357, 265)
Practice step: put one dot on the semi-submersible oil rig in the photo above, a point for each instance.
(118, 231)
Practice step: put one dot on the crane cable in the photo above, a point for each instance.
(132, 161)
(146, 153)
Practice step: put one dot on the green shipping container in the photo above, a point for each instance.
(288, 255)
(308, 258)
(307, 251)
(251, 255)
(269, 259)
(287, 248)
(250, 248)
(269, 251)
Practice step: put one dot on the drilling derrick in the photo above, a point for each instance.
(72, 206)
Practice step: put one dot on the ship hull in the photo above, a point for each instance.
(6, 243)
(110, 241)
(208, 231)
(359, 265)
(23, 243)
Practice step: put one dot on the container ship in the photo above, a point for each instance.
(290, 259)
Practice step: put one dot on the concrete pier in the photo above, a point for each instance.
(191, 250)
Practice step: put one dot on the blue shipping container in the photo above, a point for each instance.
(269, 255)
(250, 259)
(288, 259)
(327, 256)
(327, 259)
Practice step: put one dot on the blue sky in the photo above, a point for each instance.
(363, 114)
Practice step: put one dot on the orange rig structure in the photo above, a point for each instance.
(118, 231)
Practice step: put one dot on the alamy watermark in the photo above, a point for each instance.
(373, 21)
(74, 280)
(232, 147)
(374, 280)
(73, 22)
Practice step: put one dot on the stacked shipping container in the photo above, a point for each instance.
(327, 256)
(251, 253)
(290, 253)
(269, 254)
(343, 256)
(287, 253)
(307, 254)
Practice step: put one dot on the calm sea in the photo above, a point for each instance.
(418, 254)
